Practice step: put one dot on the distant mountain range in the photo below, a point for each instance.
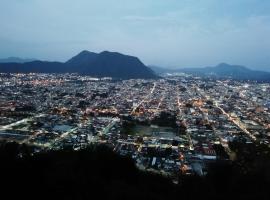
(117, 65)
(16, 60)
(222, 70)
(104, 64)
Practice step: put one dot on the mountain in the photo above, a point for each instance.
(15, 60)
(266, 69)
(235, 72)
(161, 70)
(104, 64)
(164, 70)
(83, 58)
(34, 67)
(111, 64)
(224, 70)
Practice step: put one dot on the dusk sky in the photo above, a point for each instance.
(169, 33)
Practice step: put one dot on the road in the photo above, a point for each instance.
(144, 99)
(110, 125)
(63, 136)
(236, 122)
(9, 126)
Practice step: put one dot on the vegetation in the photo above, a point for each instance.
(97, 172)
(167, 119)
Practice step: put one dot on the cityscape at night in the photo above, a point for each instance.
(125, 99)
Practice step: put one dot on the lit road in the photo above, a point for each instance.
(9, 126)
(63, 136)
(110, 125)
(236, 122)
(152, 90)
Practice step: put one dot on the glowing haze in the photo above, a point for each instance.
(171, 33)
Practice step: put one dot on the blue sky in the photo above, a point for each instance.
(171, 33)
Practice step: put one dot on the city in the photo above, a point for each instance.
(135, 99)
(174, 126)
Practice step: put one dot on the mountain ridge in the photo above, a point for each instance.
(222, 70)
(104, 64)
(16, 60)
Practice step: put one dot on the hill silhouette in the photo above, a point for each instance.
(16, 60)
(104, 64)
(97, 172)
(222, 71)
(236, 72)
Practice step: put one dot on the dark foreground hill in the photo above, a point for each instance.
(104, 64)
(98, 173)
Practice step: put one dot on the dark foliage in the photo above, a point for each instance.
(165, 119)
(98, 173)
